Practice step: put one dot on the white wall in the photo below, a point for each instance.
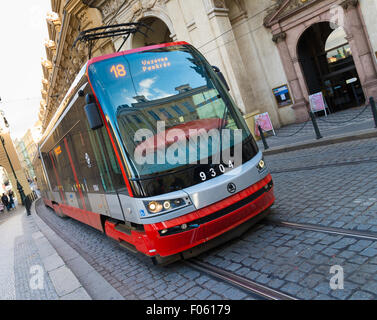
(264, 63)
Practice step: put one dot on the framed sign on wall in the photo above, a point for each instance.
(282, 96)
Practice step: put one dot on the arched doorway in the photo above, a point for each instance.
(160, 33)
(328, 66)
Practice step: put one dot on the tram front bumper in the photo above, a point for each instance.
(202, 226)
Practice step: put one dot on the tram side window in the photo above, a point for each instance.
(60, 157)
(111, 155)
(100, 157)
(108, 163)
(82, 160)
(50, 171)
(93, 153)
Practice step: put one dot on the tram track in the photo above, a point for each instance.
(262, 290)
(322, 166)
(252, 287)
(365, 235)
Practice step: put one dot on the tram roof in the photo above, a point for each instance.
(141, 49)
(65, 103)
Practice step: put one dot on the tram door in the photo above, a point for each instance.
(98, 177)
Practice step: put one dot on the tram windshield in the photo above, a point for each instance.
(169, 107)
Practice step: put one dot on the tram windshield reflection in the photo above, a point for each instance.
(158, 97)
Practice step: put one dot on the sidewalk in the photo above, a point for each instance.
(94, 283)
(351, 124)
(30, 267)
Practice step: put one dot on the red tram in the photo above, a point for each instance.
(149, 147)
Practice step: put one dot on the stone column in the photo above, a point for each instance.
(230, 54)
(300, 105)
(363, 56)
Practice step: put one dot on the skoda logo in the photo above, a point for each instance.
(231, 187)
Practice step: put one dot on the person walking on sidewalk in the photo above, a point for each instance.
(11, 200)
(5, 201)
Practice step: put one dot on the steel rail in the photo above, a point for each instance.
(235, 280)
(327, 165)
(319, 228)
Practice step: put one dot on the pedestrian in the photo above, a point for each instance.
(11, 200)
(28, 205)
(5, 201)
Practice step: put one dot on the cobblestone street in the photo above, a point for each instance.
(330, 186)
(333, 185)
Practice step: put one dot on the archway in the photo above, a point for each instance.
(328, 66)
(7, 184)
(160, 33)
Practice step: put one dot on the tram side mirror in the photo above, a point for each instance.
(221, 77)
(92, 113)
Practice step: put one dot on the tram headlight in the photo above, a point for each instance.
(162, 206)
(167, 205)
(154, 207)
(261, 165)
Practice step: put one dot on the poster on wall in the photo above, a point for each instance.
(264, 121)
(317, 102)
(282, 96)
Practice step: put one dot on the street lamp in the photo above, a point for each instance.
(19, 186)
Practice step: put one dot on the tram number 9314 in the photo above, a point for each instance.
(213, 172)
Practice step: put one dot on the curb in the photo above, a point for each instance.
(66, 284)
(95, 286)
(359, 135)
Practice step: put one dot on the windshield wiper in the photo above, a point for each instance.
(222, 125)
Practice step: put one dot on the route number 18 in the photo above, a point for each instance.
(119, 71)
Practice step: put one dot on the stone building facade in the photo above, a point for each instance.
(260, 46)
(10, 149)
(63, 61)
(25, 161)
